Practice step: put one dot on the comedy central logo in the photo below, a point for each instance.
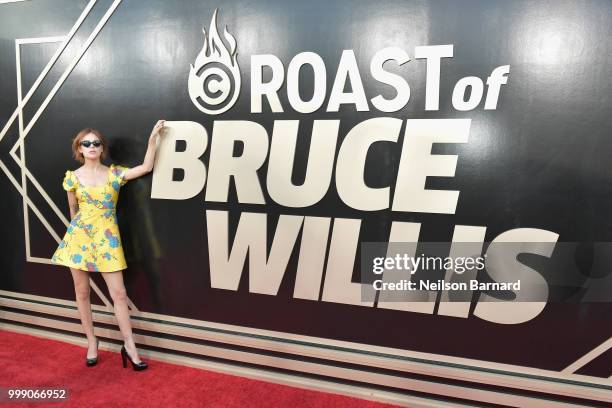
(214, 78)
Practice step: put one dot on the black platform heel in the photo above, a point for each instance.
(136, 366)
(90, 362)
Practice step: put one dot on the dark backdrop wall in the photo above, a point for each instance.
(539, 160)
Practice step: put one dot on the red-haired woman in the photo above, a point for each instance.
(92, 242)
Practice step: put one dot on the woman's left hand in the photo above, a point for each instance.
(157, 129)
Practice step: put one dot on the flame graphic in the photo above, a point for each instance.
(214, 78)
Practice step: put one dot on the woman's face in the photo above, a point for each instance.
(92, 152)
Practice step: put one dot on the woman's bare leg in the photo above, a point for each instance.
(116, 288)
(81, 290)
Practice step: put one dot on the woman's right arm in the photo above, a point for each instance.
(73, 204)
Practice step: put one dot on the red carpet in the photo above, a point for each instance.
(29, 361)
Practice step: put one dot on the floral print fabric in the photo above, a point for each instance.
(92, 241)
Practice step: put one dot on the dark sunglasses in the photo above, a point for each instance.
(87, 143)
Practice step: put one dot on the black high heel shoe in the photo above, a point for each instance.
(136, 366)
(90, 362)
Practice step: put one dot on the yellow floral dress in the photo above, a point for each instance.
(92, 241)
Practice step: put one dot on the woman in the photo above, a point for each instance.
(92, 242)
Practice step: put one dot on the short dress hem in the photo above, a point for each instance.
(80, 267)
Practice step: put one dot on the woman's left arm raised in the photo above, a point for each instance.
(149, 159)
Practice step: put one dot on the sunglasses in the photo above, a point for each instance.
(87, 143)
